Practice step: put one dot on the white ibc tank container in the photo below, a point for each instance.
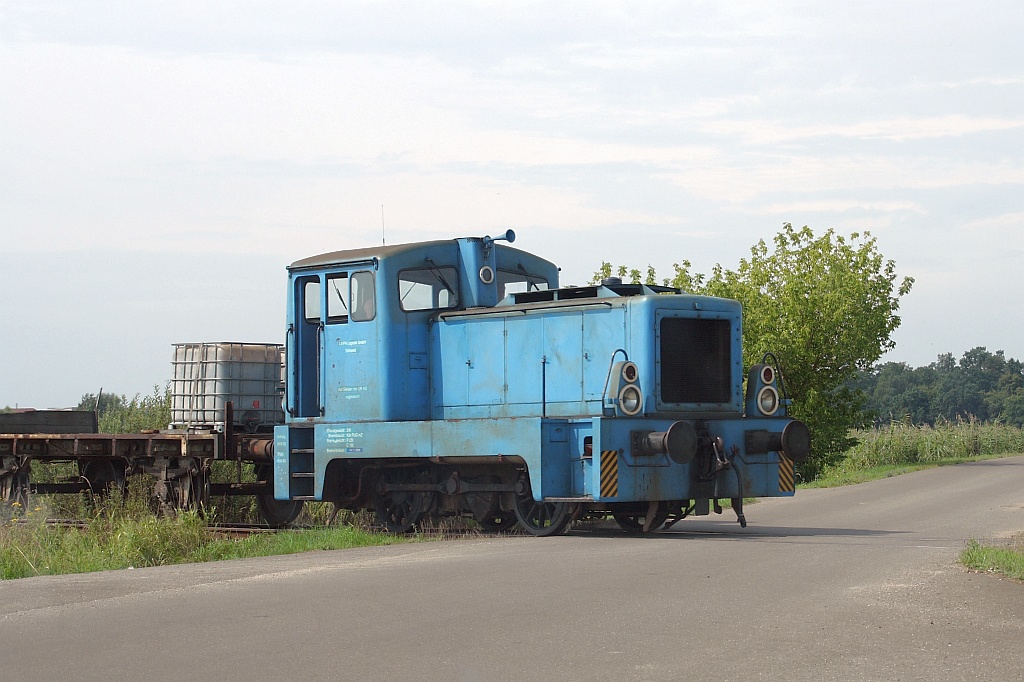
(209, 375)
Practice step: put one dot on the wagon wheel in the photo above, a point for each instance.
(634, 523)
(104, 477)
(541, 518)
(276, 513)
(199, 491)
(400, 510)
(187, 487)
(14, 482)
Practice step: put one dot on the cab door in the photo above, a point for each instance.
(353, 380)
(304, 348)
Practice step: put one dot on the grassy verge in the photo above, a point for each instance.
(124, 533)
(846, 473)
(1005, 559)
(30, 547)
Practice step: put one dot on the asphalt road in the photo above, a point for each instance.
(848, 583)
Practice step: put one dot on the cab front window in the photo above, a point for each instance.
(434, 288)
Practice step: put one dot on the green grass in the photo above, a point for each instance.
(125, 533)
(1007, 559)
(850, 474)
(29, 546)
(296, 541)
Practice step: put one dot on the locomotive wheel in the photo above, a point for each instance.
(500, 521)
(275, 513)
(542, 519)
(487, 511)
(400, 510)
(634, 523)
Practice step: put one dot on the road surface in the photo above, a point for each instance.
(847, 583)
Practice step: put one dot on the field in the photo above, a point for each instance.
(900, 448)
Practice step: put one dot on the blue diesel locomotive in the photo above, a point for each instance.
(456, 378)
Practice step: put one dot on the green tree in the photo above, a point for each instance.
(102, 404)
(983, 386)
(118, 414)
(826, 307)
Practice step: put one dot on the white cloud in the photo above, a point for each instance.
(765, 132)
(1005, 230)
(840, 206)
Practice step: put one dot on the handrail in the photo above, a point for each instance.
(291, 381)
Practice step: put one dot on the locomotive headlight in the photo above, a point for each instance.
(768, 400)
(631, 401)
(629, 372)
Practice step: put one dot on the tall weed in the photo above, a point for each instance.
(903, 443)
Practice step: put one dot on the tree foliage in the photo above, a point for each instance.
(826, 306)
(118, 414)
(102, 403)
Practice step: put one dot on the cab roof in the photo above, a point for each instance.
(365, 254)
(387, 251)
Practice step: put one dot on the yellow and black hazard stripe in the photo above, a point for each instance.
(609, 473)
(787, 481)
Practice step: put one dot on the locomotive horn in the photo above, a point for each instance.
(509, 236)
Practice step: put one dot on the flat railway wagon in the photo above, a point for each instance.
(210, 380)
(456, 377)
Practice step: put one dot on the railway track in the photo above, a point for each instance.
(245, 529)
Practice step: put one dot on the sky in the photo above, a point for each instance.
(161, 163)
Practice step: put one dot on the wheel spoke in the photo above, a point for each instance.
(400, 510)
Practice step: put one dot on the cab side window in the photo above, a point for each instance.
(337, 298)
(363, 301)
(311, 298)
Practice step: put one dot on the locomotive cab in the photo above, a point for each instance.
(358, 321)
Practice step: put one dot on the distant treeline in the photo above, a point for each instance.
(982, 385)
